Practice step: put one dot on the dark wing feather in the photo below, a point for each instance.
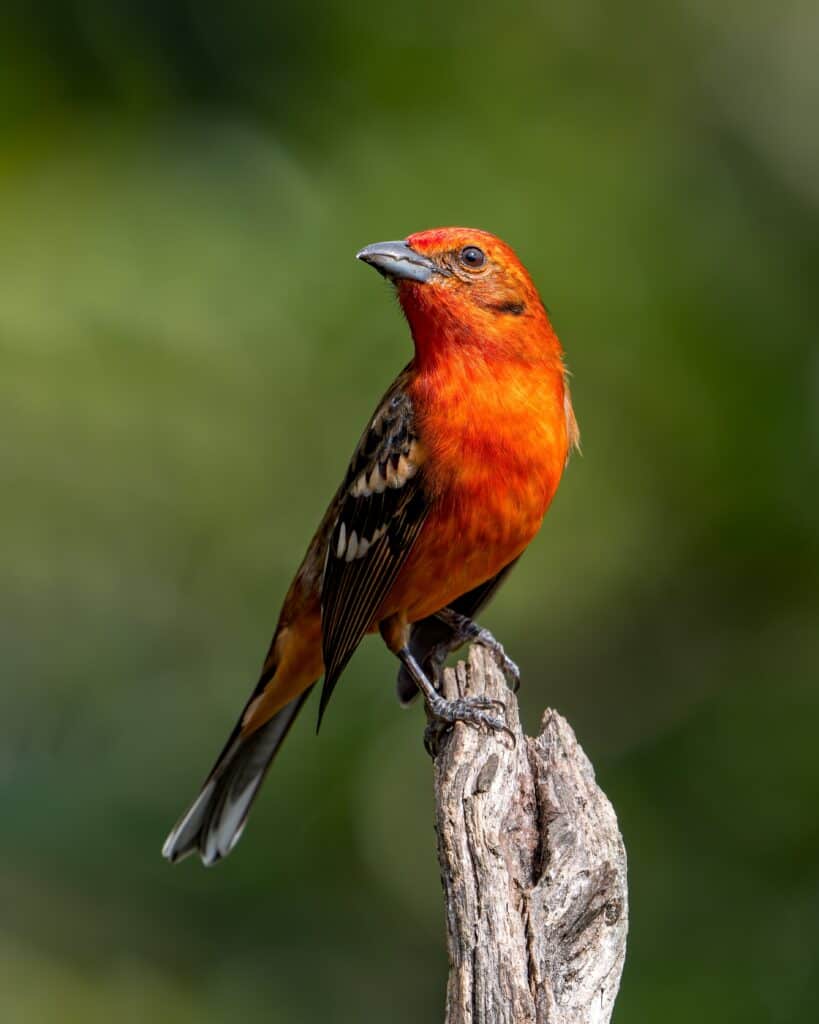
(381, 510)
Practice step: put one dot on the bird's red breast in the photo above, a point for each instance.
(493, 415)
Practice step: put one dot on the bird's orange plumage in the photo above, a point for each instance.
(495, 419)
(494, 415)
(483, 425)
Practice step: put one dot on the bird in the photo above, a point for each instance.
(447, 486)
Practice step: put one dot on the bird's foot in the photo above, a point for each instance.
(476, 711)
(502, 659)
(443, 713)
(472, 710)
(465, 629)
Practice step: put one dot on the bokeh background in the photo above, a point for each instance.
(188, 351)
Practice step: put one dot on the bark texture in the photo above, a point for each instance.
(533, 868)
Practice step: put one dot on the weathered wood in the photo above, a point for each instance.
(533, 869)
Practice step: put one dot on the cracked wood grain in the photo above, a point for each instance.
(533, 869)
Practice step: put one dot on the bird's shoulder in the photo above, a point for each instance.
(389, 453)
(383, 472)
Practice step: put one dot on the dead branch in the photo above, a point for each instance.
(533, 869)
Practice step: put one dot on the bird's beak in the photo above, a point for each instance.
(397, 261)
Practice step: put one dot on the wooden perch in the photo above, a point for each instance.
(533, 869)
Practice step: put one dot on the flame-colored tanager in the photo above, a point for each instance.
(447, 486)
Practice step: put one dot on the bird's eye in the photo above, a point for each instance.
(472, 257)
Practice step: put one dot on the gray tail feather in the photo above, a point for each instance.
(214, 822)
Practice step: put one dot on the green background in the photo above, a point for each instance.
(188, 352)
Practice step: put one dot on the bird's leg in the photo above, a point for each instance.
(472, 710)
(465, 629)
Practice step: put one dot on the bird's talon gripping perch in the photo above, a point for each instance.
(465, 629)
(434, 733)
(507, 666)
(445, 713)
(473, 711)
(470, 710)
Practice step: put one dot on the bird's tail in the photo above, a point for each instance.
(214, 822)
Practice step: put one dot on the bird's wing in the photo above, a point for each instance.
(381, 508)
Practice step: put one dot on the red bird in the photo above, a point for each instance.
(448, 485)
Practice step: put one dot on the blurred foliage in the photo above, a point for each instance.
(187, 354)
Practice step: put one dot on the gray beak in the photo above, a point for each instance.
(396, 261)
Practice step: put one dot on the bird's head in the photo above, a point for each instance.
(464, 286)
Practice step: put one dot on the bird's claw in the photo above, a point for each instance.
(475, 711)
(510, 670)
(472, 710)
(433, 734)
(502, 659)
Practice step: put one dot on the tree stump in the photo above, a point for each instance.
(533, 868)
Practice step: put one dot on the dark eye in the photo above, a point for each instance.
(472, 257)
